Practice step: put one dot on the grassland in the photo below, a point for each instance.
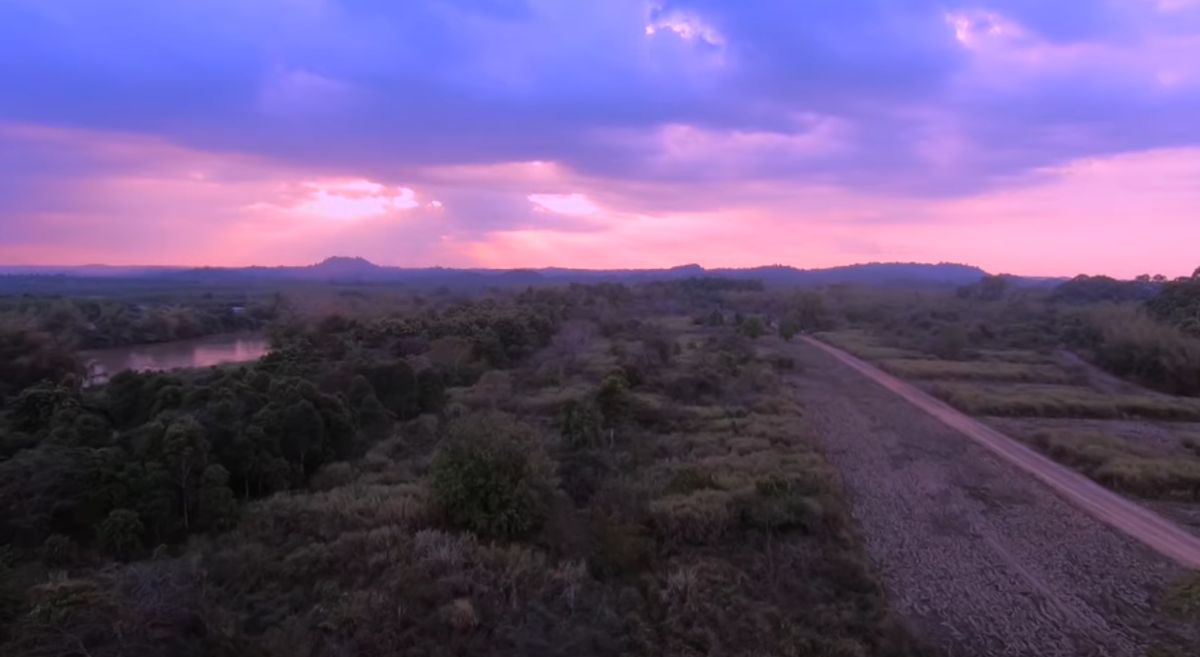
(1122, 465)
(1031, 388)
(1061, 401)
(976, 370)
(867, 345)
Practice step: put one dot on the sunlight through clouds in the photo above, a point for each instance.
(569, 204)
(355, 199)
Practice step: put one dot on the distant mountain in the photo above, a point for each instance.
(84, 271)
(875, 273)
(345, 269)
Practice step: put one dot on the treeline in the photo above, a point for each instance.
(99, 323)
(1144, 330)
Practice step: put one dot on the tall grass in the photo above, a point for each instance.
(1128, 343)
(916, 368)
(1124, 467)
(1032, 400)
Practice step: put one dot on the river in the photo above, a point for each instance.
(102, 364)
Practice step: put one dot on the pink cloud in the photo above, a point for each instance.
(145, 201)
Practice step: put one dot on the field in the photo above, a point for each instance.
(971, 544)
(1135, 441)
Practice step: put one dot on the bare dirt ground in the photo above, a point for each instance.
(976, 553)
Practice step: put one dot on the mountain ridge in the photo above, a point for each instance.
(354, 269)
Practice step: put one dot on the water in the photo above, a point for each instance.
(102, 364)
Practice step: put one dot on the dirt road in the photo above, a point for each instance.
(1155, 531)
(981, 558)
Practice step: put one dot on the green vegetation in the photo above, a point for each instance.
(1122, 466)
(864, 344)
(1178, 304)
(599, 470)
(1184, 599)
(981, 370)
(1045, 400)
(1130, 344)
(561, 472)
(490, 478)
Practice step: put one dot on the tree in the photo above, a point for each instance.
(372, 419)
(185, 454)
(612, 399)
(302, 434)
(217, 505)
(788, 328)
(35, 408)
(753, 327)
(491, 477)
(395, 384)
(121, 533)
(581, 424)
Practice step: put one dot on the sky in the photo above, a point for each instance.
(1022, 136)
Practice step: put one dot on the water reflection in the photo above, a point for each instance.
(202, 352)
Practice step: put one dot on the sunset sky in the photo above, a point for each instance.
(1027, 136)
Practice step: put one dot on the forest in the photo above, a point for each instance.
(582, 469)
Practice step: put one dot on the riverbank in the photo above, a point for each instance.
(102, 364)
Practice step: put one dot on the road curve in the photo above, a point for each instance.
(1130, 518)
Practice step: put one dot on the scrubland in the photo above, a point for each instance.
(602, 469)
(618, 479)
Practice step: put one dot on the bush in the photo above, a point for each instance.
(689, 480)
(780, 504)
(621, 547)
(492, 478)
(1130, 344)
(1184, 599)
(752, 327)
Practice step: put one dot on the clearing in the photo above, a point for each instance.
(982, 560)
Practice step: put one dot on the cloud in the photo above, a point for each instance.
(568, 204)
(127, 113)
(374, 86)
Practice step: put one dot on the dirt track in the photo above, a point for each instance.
(980, 557)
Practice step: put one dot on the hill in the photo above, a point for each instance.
(345, 269)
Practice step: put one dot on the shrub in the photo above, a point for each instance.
(699, 518)
(491, 478)
(621, 548)
(1132, 345)
(1184, 599)
(689, 480)
(56, 600)
(752, 327)
(780, 504)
